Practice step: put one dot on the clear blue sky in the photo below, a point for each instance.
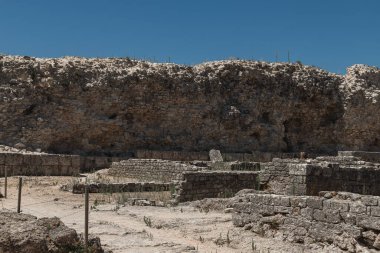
(331, 34)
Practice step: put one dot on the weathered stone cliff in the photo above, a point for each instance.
(111, 106)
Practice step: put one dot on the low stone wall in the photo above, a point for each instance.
(274, 176)
(213, 184)
(172, 155)
(309, 179)
(344, 220)
(18, 164)
(257, 156)
(150, 169)
(92, 163)
(245, 166)
(127, 187)
(233, 166)
(362, 155)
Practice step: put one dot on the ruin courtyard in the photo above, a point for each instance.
(224, 156)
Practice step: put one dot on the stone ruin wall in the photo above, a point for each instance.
(93, 163)
(361, 155)
(343, 219)
(121, 187)
(39, 164)
(110, 107)
(310, 176)
(191, 182)
(150, 169)
(274, 176)
(224, 184)
(310, 179)
(172, 155)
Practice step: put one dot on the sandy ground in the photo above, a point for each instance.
(122, 228)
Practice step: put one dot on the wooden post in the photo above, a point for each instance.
(86, 200)
(5, 181)
(19, 194)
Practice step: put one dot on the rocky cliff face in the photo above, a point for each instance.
(111, 106)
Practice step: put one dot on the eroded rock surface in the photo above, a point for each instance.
(25, 233)
(111, 106)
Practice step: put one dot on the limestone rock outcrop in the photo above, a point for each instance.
(112, 106)
(25, 233)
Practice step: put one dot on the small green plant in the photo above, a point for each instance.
(148, 221)
(201, 239)
(94, 206)
(228, 237)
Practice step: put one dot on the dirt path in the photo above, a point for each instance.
(123, 229)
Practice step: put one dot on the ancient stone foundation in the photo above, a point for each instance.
(309, 179)
(329, 173)
(362, 155)
(150, 169)
(122, 187)
(93, 163)
(343, 219)
(172, 155)
(39, 164)
(213, 184)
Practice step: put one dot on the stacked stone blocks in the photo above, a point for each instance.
(309, 179)
(150, 169)
(342, 218)
(212, 184)
(39, 164)
(125, 187)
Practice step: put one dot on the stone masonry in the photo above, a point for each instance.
(309, 179)
(214, 184)
(93, 163)
(362, 155)
(172, 155)
(150, 169)
(39, 164)
(342, 219)
(274, 176)
(122, 187)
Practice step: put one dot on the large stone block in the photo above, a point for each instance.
(76, 161)
(2, 159)
(49, 160)
(375, 211)
(13, 159)
(32, 159)
(64, 160)
(357, 207)
(215, 155)
(368, 222)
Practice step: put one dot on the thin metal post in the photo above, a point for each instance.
(5, 182)
(19, 194)
(86, 200)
